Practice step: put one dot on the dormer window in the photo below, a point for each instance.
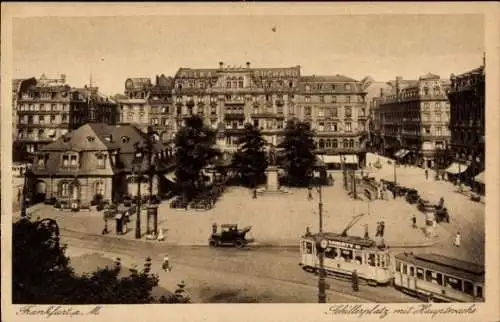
(66, 139)
(90, 138)
(101, 161)
(125, 139)
(108, 138)
(70, 160)
(41, 162)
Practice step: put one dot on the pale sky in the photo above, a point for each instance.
(114, 48)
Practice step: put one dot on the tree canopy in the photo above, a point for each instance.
(42, 273)
(250, 159)
(194, 145)
(298, 152)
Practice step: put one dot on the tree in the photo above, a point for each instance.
(298, 157)
(42, 273)
(194, 145)
(250, 158)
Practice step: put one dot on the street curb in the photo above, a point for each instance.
(252, 245)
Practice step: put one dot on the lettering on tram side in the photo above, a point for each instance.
(342, 244)
(382, 311)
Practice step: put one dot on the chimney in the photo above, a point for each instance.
(221, 65)
(157, 80)
(398, 79)
(248, 64)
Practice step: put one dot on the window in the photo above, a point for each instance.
(468, 288)
(347, 87)
(308, 99)
(64, 189)
(213, 110)
(346, 254)
(280, 124)
(348, 111)
(453, 283)
(41, 162)
(65, 118)
(99, 188)
(351, 143)
(308, 88)
(307, 111)
(427, 130)
(52, 119)
(101, 164)
(42, 119)
(321, 99)
(479, 291)
(348, 127)
(335, 143)
(358, 256)
(371, 259)
(30, 119)
(256, 123)
(420, 273)
(73, 160)
(321, 126)
(412, 271)
(348, 99)
(398, 266)
(426, 106)
(437, 106)
(334, 112)
(65, 161)
(438, 131)
(331, 253)
(308, 247)
(240, 83)
(321, 112)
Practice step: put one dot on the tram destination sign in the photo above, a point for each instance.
(343, 244)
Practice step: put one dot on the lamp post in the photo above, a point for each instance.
(24, 195)
(321, 254)
(137, 164)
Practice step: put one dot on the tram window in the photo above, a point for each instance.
(358, 258)
(453, 283)
(479, 291)
(331, 253)
(428, 276)
(420, 273)
(398, 266)
(405, 271)
(468, 288)
(308, 248)
(371, 259)
(412, 271)
(346, 254)
(381, 260)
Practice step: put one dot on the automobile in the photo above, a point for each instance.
(230, 235)
(412, 196)
(442, 214)
(425, 206)
(201, 203)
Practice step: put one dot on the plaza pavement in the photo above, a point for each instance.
(277, 220)
(466, 216)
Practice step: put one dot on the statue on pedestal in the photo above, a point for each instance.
(272, 156)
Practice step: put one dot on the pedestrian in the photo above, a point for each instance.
(166, 264)
(18, 195)
(441, 203)
(214, 228)
(394, 194)
(458, 240)
(308, 232)
(255, 193)
(309, 193)
(426, 174)
(355, 281)
(379, 230)
(330, 179)
(366, 231)
(414, 221)
(382, 228)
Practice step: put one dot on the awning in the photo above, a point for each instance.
(480, 178)
(329, 159)
(399, 153)
(456, 168)
(170, 176)
(405, 153)
(350, 158)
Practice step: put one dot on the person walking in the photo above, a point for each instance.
(382, 228)
(355, 281)
(309, 193)
(458, 240)
(426, 174)
(214, 228)
(414, 221)
(166, 264)
(366, 231)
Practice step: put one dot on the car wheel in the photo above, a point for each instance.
(212, 243)
(239, 244)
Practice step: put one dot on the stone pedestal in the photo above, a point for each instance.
(272, 178)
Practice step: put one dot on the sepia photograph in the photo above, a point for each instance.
(219, 155)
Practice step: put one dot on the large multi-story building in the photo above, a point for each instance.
(46, 109)
(227, 97)
(467, 125)
(412, 119)
(147, 105)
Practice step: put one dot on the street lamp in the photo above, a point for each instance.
(137, 166)
(321, 247)
(24, 204)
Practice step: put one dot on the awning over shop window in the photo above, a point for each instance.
(329, 159)
(456, 168)
(350, 158)
(480, 178)
(401, 153)
(405, 153)
(397, 154)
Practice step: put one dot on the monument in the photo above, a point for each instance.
(272, 171)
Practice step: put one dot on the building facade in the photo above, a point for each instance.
(227, 97)
(467, 124)
(411, 120)
(47, 109)
(95, 159)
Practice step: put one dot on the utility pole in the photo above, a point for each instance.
(321, 254)
(138, 219)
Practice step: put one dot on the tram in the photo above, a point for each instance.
(438, 278)
(343, 254)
